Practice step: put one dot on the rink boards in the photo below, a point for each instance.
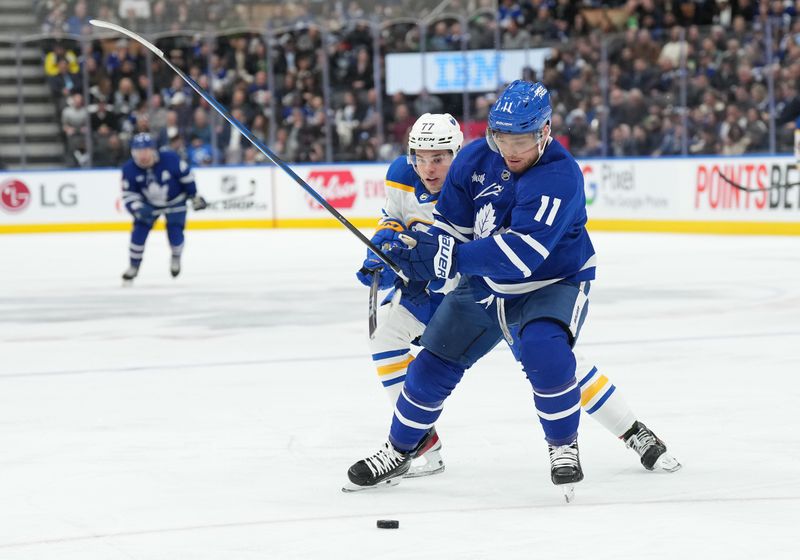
(665, 194)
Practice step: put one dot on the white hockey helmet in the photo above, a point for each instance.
(435, 131)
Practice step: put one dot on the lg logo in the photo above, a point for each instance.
(14, 195)
(64, 195)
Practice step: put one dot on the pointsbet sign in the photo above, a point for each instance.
(730, 186)
(704, 195)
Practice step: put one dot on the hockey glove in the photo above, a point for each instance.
(387, 276)
(142, 212)
(385, 239)
(198, 203)
(426, 257)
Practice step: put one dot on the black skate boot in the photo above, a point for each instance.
(129, 275)
(565, 468)
(384, 468)
(427, 460)
(175, 266)
(650, 448)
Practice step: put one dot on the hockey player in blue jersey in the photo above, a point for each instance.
(156, 183)
(511, 221)
(413, 184)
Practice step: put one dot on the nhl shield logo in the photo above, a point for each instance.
(505, 175)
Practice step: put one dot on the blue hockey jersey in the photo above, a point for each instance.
(167, 184)
(517, 233)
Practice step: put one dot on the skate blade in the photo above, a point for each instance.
(427, 469)
(127, 283)
(667, 463)
(350, 488)
(569, 492)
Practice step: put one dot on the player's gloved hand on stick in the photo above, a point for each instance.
(142, 211)
(387, 276)
(425, 257)
(198, 203)
(383, 238)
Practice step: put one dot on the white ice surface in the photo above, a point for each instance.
(215, 416)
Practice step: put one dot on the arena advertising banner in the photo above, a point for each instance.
(455, 71)
(356, 191)
(236, 194)
(72, 200)
(695, 195)
(58, 197)
(704, 195)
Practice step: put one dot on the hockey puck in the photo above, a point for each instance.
(388, 524)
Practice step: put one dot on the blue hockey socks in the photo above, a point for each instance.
(429, 381)
(549, 364)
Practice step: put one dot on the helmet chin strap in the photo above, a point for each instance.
(544, 141)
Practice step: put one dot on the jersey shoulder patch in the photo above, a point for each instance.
(401, 175)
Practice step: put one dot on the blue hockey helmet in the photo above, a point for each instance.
(143, 150)
(142, 140)
(523, 107)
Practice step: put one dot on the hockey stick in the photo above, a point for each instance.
(170, 210)
(253, 140)
(373, 301)
(736, 185)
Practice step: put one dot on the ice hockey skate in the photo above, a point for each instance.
(428, 460)
(175, 266)
(130, 273)
(565, 468)
(384, 468)
(651, 449)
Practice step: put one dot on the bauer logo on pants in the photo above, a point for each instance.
(14, 195)
(337, 186)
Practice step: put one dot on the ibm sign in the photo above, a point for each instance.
(455, 71)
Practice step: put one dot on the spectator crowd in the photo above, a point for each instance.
(627, 77)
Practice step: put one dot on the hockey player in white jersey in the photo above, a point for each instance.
(413, 184)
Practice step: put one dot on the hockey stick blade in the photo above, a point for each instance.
(373, 300)
(253, 140)
(741, 187)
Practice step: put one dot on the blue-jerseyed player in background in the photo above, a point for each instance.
(511, 220)
(156, 183)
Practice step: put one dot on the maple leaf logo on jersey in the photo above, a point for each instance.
(156, 194)
(484, 222)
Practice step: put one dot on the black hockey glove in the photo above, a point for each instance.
(199, 203)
